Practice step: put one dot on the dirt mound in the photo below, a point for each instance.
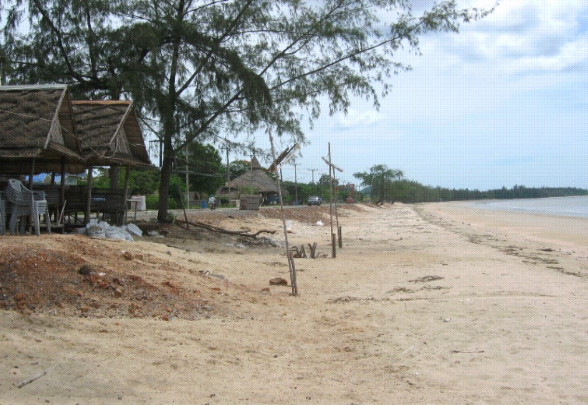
(42, 275)
(118, 279)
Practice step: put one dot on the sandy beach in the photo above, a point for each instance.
(424, 304)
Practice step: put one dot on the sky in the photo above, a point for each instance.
(502, 103)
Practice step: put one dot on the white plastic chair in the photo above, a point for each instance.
(24, 203)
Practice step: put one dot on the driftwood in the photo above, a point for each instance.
(35, 377)
(212, 228)
(298, 253)
(312, 250)
(301, 252)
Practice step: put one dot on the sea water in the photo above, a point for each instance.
(560, 206)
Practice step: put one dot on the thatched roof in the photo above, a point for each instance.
(109, 132)
(43, 130)
(36, 122)
(256, 179)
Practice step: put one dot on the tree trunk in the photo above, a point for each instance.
(113, 174)
(164, 185)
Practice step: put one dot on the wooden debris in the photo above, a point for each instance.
(425, 279)
(298, 253)
(212, 228)
(35, 377)
(312, 250)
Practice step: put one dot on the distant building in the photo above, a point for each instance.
(255, 181)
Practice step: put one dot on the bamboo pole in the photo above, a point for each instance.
(288, 253)
(331, 172)
(126, 194)
(88, 196)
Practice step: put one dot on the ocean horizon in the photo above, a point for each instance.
(576, 206)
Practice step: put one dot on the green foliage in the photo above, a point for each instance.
(170, 218)
(207, 173)
(325, 181)
(141, 181)
(380, 179)
(152, 202)
(203, 68)
(177, 191)
(408, 191)
(239, 167)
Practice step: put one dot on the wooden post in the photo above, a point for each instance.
(332, 169)
(62, 185)
(88, 196)
(331, 172)
(340, 232)
(113, 177)
(32, 174)
(293, 275)
(334, 246)
(288, 253)
(126, 196)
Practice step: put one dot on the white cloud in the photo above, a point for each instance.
(357, 118)
(571, 56)
(525, 33)
(501, 103)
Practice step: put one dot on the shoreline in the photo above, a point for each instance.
(495, 205)
(568, 232)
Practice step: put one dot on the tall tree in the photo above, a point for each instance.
(206, 171)
(202, 67)
(380, 179)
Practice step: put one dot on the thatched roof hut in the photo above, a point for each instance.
(255, 180)
(109, 133)
(37, 129)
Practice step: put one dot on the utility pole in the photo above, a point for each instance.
(312, 170)
(228, 175)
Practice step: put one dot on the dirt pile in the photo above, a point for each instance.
(37, 278)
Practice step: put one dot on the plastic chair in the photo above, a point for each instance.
(3, 210)
(24, 203)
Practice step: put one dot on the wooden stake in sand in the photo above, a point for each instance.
(332, 169)
(288, 253)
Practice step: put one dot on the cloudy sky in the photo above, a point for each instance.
(503, 103)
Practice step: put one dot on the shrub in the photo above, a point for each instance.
(152, 202)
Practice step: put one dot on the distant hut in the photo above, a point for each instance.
(255, 181)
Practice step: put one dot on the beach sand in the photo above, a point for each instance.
(425, 304)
